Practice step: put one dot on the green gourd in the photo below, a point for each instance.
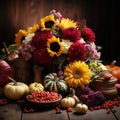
(53, 83)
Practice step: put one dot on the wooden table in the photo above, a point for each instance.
(13, 111)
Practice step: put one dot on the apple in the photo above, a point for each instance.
(5, 72)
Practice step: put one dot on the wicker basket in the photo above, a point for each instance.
(23, 70)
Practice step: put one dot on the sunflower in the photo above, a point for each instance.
(54, 47)
(48, 23)
(77, 74)
(33, 29)
(20, 36)
(66, 23)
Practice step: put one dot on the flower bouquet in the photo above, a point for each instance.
(67, 44)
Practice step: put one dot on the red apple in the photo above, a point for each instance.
(5, 71)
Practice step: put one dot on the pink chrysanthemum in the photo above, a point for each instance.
(40, 39)
(41, 56)
(77, 51)
(92, 52)
(88, 34)
(73, 34)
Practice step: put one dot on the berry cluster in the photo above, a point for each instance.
(43, 96)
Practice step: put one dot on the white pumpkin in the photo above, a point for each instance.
(15, 90)
(68, 102)
(81, 108)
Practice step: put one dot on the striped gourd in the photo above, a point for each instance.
(53, 83)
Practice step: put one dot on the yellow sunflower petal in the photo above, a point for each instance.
(48, 22)
(66, 23)
(33, 29)
(19, 36)
(80, 75)
(54, 47)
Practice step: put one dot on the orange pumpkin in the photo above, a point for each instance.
(115, 70)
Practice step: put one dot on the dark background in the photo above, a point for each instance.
(101, 15)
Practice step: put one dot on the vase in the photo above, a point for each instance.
(38, 74)
(106, 85)
(54, 66)
(23, 70)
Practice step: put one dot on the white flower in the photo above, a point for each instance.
(66, 44)
(29, 37)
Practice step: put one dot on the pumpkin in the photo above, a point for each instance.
(115, 70)
(67, 102)
(53, 83)
(81, 108)
(15, 90)
(36, 87)
(71, 93)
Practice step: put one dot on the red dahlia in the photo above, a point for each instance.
(77, 51)
(40, 39)
(73, 34)
(41, 56)
(88, 34)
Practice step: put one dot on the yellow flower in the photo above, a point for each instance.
(20, 36)
(66, 23)
(77, 74)
(48, 23)
(54, 47)
(33, 29)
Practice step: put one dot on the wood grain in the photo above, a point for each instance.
(10, 111)
(92, 115)
(45, 115)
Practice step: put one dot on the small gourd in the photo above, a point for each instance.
(15, 90)
(71, 93)
(114, 69)
(53, 83)
(67, 102)
(81, 108)
(35, 87)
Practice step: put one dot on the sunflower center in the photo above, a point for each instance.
(23, 38)
(55, 46)
(77, 74)
(49, 24)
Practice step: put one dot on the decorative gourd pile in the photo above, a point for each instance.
(63, 44)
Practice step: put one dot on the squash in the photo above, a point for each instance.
(71, 93)
(36, 87)
(15, 90)
(81, 108)
(114, 69)
(67, 102)
(53, 83)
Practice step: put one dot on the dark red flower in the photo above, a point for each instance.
(88, 34)
(41, 56)
(73, 34)
(40, 39)
(77, 51)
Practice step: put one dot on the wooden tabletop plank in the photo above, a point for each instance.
(116, 112)
(92, 115)
(45, 115)
(10, 111)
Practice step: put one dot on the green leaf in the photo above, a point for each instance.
(12, 47)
